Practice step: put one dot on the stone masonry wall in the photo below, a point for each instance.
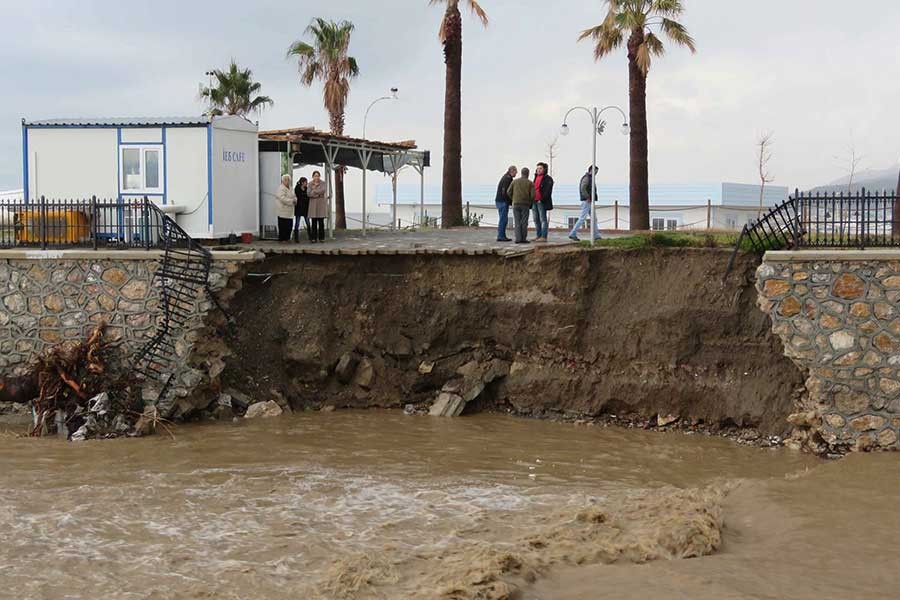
(839, 320)
(46, 301)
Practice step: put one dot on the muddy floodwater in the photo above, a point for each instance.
(376, 504)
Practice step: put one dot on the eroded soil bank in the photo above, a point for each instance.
(631, 333)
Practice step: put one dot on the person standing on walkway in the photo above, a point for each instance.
(301, 210)
(543, 201)
(521, 192)
(584, 190)
(285, 202)
(318, 207)
(502, 201)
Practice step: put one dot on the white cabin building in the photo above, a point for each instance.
(204, 170)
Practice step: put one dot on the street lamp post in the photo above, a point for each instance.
(393, 96)
(365, 166)
(598, 127)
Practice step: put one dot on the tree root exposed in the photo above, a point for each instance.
(78, 398)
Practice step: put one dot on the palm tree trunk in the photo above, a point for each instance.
(639, 202)
(451, 189)
(340, 214)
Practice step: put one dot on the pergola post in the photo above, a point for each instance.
(330, 156)
(421, 170)
(364, 157)
(394, 200)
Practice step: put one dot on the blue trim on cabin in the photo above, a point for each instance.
(165, 169)
(151, 126)
(121, 224)
(209, 174)
(141, 143)
(25, 161)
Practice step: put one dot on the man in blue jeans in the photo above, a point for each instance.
(503, 201)
(543, 201)
(584, 190)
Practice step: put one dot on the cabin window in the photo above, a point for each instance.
(141, 169)
(662, 224)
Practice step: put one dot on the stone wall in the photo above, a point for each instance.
(49, 298)
(838, 315)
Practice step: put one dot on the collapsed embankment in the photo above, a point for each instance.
(631, 333)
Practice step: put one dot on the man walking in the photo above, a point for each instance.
(584, 190)
(502, 201)
(521, 192)
(543, 201)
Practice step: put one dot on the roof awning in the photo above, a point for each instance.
(311, 147)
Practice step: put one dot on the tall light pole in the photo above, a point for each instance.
(598, 127)
(393, 96)
(209, 76)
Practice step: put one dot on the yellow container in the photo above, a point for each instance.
(60, 226)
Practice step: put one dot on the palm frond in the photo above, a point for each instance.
(478, 12)
(667, 8)
(326, 58)
(677, 32)
(643, 57)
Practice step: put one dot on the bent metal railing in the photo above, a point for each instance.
(182, 271)
(183, 275)
(837, 220)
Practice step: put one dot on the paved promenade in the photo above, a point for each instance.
(463, 240)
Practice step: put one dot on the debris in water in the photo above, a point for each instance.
(76, 397)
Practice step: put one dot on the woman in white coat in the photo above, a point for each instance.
(285, 200)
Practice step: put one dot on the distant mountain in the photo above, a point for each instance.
(871, 179)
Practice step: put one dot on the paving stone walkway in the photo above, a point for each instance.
(464, 240)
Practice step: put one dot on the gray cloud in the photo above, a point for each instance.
(818, 78)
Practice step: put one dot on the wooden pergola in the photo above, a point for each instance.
(308, 146)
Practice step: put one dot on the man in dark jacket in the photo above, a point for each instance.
(503, 201)
(543, 201)
(584, 190)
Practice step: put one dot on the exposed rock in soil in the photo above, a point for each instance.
(629, 333)
(269, 408)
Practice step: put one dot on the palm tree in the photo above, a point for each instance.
(327, 59)
(451, 37)
(632, 22)
(234, 93)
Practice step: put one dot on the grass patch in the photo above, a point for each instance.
(668, 239)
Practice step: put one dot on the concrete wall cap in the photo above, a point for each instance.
(87, 254)
(831, 255)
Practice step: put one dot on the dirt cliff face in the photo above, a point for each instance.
(632, 333)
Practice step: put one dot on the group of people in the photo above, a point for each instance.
(536, 197)
(305, 204)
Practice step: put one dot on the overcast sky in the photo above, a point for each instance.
(821, 75)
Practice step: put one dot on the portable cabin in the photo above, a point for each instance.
(203, 171)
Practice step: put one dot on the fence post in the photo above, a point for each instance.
(93, 226)
(863, 208)
(708, 213)
(798, 203)
(145, 228)
(615, 216)
(43, 213)
(467, 213)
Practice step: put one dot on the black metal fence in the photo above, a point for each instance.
(860, 220)
(836, 220)
(92, 223)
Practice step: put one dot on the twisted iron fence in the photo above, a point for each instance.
(819, 220)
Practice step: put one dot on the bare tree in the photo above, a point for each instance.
(851, 160)
(551, 151)
(764, 155)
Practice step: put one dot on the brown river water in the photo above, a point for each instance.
(376, 504)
